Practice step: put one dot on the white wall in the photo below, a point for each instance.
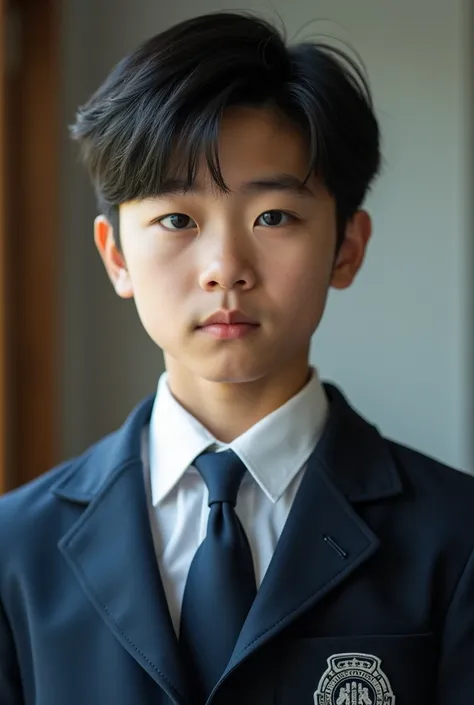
(398, 342)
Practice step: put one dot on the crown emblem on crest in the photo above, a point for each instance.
(354, 663)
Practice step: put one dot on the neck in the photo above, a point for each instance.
(227, 410)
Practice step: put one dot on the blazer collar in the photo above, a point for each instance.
(354, 455)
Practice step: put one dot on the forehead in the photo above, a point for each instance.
(252, 143)
(255, 141)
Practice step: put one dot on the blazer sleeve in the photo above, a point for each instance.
(10, 682)
(456, 668)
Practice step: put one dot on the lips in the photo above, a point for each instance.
(228, 318)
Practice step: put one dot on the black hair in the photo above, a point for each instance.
(161, 107)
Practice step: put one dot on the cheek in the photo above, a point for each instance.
(157, 267)
(307, 303)
(301, 285)
(159, 286)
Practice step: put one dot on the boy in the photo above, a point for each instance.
(245, 537)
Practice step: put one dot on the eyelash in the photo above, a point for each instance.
(293, 218)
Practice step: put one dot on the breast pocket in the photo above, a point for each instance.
(366, 670)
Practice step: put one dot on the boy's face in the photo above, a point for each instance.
(264, 250)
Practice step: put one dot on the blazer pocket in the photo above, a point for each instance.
(357, 670)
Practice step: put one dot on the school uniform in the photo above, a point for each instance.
(362, 551)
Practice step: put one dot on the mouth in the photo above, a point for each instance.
(228, 325)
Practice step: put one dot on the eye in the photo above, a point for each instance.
(274, 219)
(177, 221)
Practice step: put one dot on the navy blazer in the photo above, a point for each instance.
(369, 599)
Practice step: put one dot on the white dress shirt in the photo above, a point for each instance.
(274, 450)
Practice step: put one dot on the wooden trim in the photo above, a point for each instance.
(32, 139)
(3, 218)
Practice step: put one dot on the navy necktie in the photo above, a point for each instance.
(220, 587)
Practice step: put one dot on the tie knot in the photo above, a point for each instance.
(223, 473)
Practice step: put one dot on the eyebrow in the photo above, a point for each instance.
(277, 182)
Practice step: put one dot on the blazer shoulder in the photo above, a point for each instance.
(35, 504)
(444, 485)
(25, 505)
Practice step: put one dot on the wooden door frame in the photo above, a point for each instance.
(29, 242)
(3, 237)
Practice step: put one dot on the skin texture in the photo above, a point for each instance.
(224, 253)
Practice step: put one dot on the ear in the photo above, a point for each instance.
(352, 250)
(112, 258)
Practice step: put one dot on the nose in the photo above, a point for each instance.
(227, 265)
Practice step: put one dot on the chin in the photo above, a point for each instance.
(232, 373)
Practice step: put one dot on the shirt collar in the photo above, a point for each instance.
(273, 450)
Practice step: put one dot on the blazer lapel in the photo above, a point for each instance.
(110, 549)
(324, 540)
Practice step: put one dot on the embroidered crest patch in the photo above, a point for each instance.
(354, 679)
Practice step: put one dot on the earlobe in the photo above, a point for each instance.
(352, 250)
(113, 259)
(123, 285)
